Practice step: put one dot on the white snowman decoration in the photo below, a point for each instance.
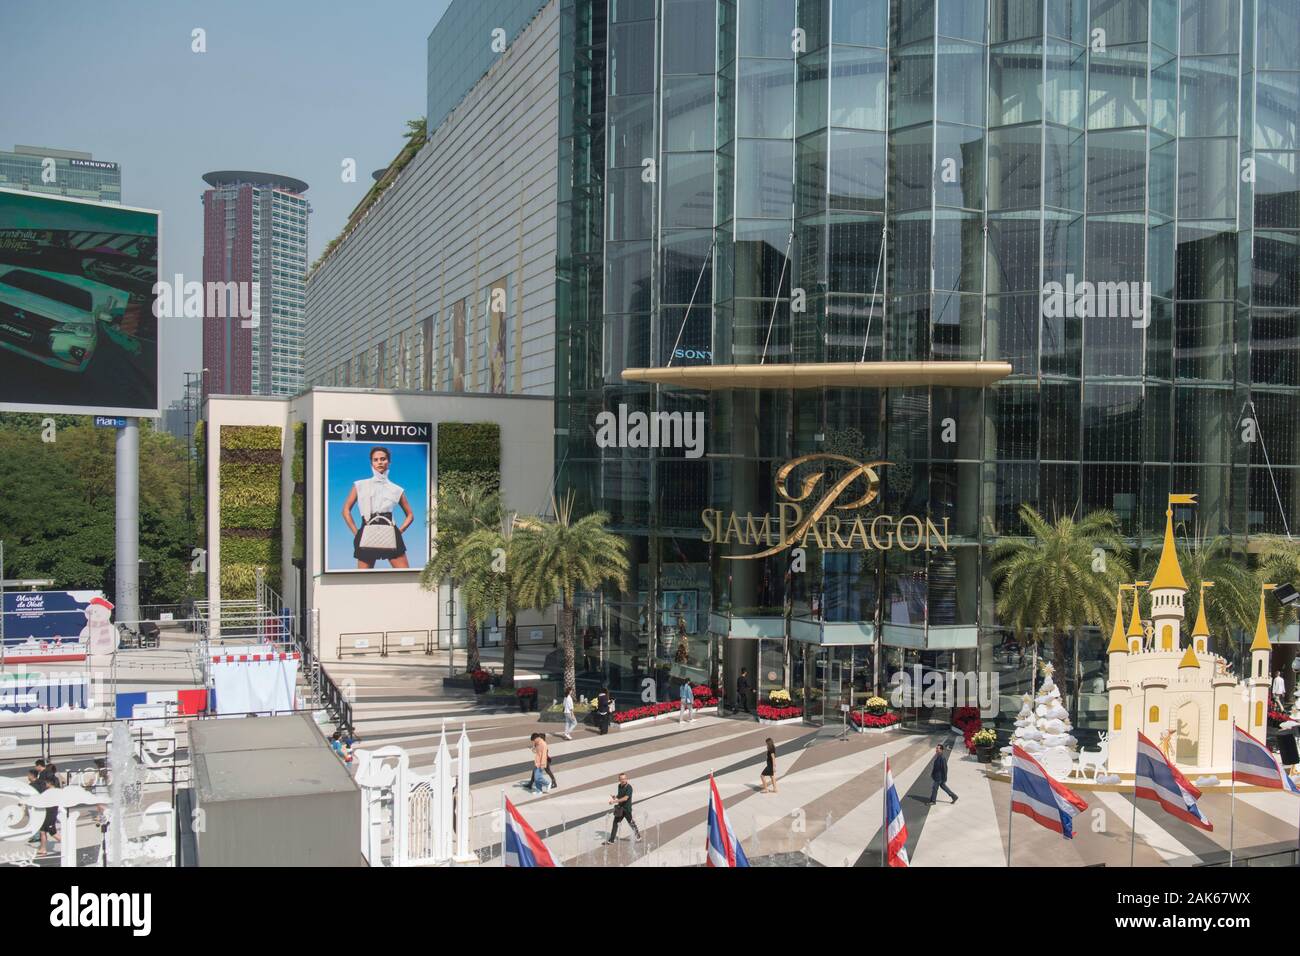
(99, 635)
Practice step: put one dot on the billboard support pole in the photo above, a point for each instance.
(127, 523)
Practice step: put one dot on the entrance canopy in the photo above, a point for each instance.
(824, 375)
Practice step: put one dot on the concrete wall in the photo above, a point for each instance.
(390, 600)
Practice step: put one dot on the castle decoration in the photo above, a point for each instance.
(1177, 689)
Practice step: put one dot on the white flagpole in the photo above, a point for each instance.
(1232, 825)
(884, 816)
(1133, 828)
(1011, 814)
(505, 822)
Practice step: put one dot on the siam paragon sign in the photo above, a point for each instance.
(801, 520)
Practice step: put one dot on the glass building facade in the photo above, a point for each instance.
(812, 181)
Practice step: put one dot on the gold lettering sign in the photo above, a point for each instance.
(795, 526)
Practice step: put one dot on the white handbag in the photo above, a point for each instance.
(379, 534)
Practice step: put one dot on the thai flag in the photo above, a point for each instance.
(1254, 763)
(724, 848)
(895, 827)
(1161, 781)
(523, 846)
(1044, 800)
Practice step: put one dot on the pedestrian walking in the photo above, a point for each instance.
(622, 802)
(768, 776)
(546, 753)
(602, 711)
(48, 780)
(570, 722)
(742, 691)
(538, 745)
(1279, 690)
(688, 703)
(939, 775)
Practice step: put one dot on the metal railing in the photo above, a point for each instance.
(383, 643)
(1277, 858)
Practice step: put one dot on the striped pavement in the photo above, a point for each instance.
(828, 808)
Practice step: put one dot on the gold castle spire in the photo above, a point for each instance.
(1189, 659)
(1261, 642)
(1118, 645)
(1135, 622)
(1168, 572)
(1202, 628)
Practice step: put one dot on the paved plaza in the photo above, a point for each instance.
(828, 809)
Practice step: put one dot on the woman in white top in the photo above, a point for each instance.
(376, 497)
(570, 721)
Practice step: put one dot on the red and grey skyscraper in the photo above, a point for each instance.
(254, 236)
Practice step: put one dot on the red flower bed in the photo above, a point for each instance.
(863, 718)
(768, 712)
(1276, 718)
(705, 696)
(967, 720)
(526, 692)
(646, 710)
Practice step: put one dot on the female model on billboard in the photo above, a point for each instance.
(378, 538)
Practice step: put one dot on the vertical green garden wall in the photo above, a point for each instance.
(469, 451)
(249, 515)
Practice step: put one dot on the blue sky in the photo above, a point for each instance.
(286, 86)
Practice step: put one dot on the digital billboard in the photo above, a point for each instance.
(376, 495)
(78, 333)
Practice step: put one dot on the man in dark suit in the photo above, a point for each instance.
(742, 691)
(939, 775)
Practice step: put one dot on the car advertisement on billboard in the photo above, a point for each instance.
(376, 495)
(78, 333)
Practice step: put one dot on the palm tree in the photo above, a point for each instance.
(1279, 563)
(491, 584)
(460, 510)
(1234, 602)
(558, 558)
(1053, 582)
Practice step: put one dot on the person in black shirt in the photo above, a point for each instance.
(742, 691)
(622, 802)
(768, 776)
(602, 710)
(939, 775)
(50, 827)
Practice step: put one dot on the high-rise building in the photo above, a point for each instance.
(1005, 252)
(254, 268)
(61, 172)
(770, 182)
(468, 38)
(444, 276)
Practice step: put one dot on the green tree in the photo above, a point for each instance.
(57, 512)
(1279, 563)
(1063, 576)
(560, 557)
(1234, 601)
(491, 584)
(458, 512)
